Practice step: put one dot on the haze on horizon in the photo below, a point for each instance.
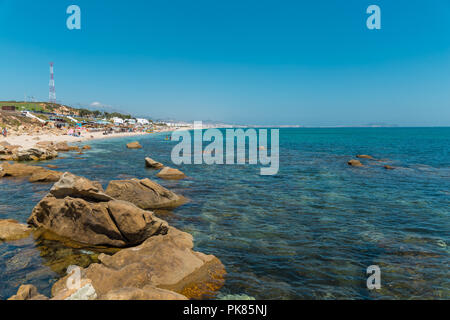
(243, 62)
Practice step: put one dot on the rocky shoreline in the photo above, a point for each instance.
(150, 259)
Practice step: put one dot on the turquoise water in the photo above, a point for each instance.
(309, 232)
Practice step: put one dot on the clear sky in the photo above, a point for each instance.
(258, 62)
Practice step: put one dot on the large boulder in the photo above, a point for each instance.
(145, 194)
(74, 186)
(78, 209)
(166, 262)
(11, 230)
(134, 145)
(168, 173)
(150, 163)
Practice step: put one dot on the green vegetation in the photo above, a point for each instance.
(81, 114)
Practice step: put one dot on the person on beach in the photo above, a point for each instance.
(5, 132)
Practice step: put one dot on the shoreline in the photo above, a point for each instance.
(30, 140)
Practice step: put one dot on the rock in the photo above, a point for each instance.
(76, 208)
(18, 170)
(46, 145)
(163, 261)
(84, 292)
(62, 146)
(134, 145)
(74, 186)
(74, 148)
(387, 167)
(171, 174)
(28, 292)
(146, 293)
(150, 163)
(355, 163)
(52, 166)
(86, 147)
(38, 174)
(145, 194)
(33, 154)
(11, 230)
(45, 176)
(364, 156)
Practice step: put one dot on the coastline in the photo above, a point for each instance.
(29, 141)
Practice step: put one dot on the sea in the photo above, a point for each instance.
(309, 232)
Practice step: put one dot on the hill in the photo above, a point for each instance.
(57, 108)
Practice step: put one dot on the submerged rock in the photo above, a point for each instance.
(78, 209)
(387, 167)
(11, 230)
(164, 262)
(171, 174)
(355, 163)
(150, 163)
(37, 174)
(134, 145)
(145, 194)
(45, 176)
(364, 156)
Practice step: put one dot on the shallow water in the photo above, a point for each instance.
(309, 232)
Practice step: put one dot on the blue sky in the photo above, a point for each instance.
(311, 63)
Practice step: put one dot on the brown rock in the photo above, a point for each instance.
(150, 163)
(62, 146)
(146, 293)
(46, 145)
(355, 163)
(364, 156)
(28, 292)
(52, 166)
(74, 186)
(45, 176)
(74, 148)
(11, 230)
(86, 147)
(145, 194)
(387, 167)
(164, 261)
(171, 174)
(18, 170)
(134, 145)
(77, 208)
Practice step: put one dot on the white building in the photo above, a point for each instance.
(142, 122)
(130, 121)
(117, 121)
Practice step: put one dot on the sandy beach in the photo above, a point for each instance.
(29, 141)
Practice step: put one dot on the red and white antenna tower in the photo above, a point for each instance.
(52, 92)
